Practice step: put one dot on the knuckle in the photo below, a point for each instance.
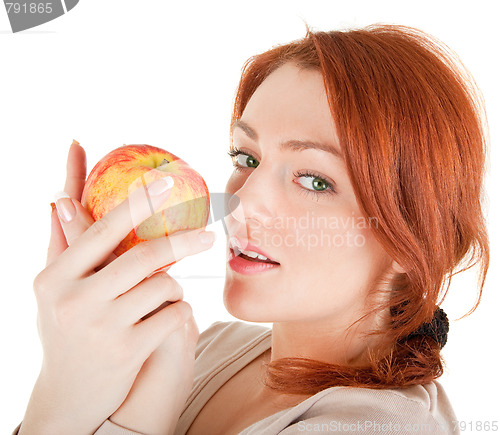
(144, 254)
(100, 228)
(179, 314)
(172, 287)
(42, 285)
(179, 291)
(187, 311)
(165, 278)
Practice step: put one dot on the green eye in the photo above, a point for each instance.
(320, 186)
(250, 161)
(318, 183)
(241, 159)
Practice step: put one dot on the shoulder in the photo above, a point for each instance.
(420, 408)
(230, 336)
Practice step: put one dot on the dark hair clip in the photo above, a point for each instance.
(437, 328)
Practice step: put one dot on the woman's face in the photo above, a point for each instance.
(310, 224)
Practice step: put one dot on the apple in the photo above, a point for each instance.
(129, 167)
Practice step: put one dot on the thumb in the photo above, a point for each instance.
(74, 219)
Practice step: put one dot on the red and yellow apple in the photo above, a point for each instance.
(130, 167)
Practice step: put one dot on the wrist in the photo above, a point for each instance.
(44, 417)
(151, 406)
(38, 418)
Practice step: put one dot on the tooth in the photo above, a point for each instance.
(237, 251)
(251, 254)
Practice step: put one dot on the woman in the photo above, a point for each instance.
(359, 158)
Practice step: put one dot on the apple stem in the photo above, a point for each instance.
(164, 162)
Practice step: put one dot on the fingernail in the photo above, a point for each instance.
(207, 237)
(160, 186)
(65, 208)
(53, 206)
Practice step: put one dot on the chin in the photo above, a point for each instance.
(240, 303)
(247, 304)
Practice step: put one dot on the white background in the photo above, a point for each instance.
(162, 73)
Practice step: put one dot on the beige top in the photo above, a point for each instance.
(226, 347)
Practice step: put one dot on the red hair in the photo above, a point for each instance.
(412, 128)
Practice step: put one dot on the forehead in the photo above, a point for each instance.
(289, 83)
(291, 103)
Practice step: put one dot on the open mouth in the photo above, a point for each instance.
(237, 253)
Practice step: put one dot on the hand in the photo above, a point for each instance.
(90, 323)
(163, 385)
(157, 397)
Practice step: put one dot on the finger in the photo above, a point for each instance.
(192, 333)
(192, 330)
(96, 244)
(163, 269)
(134, 265)
(76, 171)
(74, 220)
(184, 338)
(57, 242)
(147, 296)
(153, 331)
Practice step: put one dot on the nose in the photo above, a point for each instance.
(254, 204)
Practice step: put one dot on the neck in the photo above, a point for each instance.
(319, 340)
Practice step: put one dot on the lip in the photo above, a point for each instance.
(246, 267)
(247, 246)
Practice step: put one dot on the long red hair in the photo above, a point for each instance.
(413, 131)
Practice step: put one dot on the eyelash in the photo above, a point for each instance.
(234, 152)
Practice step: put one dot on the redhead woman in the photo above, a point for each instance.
(356, 195)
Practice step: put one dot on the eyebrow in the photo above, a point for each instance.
(292, 145)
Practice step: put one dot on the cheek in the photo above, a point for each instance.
(342, 251)
(338, 233)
